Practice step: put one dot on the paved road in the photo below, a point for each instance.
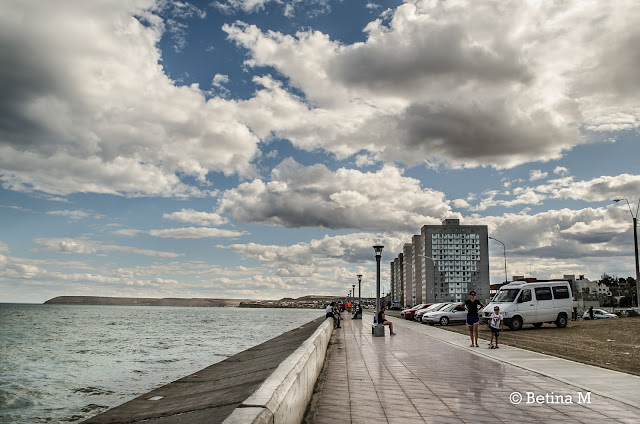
(416, 378)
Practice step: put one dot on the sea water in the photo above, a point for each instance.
(63, 363)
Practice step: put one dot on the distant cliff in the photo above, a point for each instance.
(142, 301)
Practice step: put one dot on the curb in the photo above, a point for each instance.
(283, 397)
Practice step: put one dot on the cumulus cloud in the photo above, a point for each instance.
(537, 174)
(594, 190)
(501, 81)
(564, 233)
(89, 247)
(195, 232)
(314, 196)
(605, 188)
(196, 217)
(290, 7)
(322, 257)
(86, 106)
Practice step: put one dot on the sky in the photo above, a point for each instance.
(260, 148)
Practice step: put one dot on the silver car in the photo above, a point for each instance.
(435, 307)
(598, 314)
(454, 312)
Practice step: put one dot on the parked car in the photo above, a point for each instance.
(599, 314)
(532, 303)
(454, 312)
(434, 307)
(408, 313)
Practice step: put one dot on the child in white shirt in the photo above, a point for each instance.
(495, 325)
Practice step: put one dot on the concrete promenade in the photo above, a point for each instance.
(429, 375)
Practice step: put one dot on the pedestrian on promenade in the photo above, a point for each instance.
(331, 315)
(336, 313)
(591, 312)
(473, 319)
(496, 323)
(383, 320)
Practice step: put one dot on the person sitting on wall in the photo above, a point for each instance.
(382, 320)
(358, 311)
(330, 314)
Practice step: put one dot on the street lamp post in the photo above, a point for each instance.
(504, 250)
(376, 330)
(353, 298)
(359, 289)
(635, 245)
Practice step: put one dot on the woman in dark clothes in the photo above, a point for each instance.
(473, 305)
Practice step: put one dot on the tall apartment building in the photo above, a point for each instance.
(459, 261)
(399, 280)
(407, 267)
(418, 286)
(392, 282)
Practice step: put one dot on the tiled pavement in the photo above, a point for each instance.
(413, 378)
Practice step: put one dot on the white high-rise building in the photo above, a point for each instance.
(460, 254)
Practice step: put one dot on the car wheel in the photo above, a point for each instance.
(561, 322)
(515, 324)
(537, 324)
(444, 321)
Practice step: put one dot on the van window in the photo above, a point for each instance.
(506, 295)
(525, 296)
(561, 292)
(543, 293)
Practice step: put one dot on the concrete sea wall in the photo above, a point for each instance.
(269, 383)
(284, 395)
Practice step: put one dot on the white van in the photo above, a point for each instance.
(532, 303)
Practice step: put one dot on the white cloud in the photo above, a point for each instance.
(128, 232)
(560, 170)
(77, 214)
(594, 190)
(604, 188)
(4, 247)
(290, 7)
(500, 80)
(90, 247)
(537, 174)
(195, 232)
(96, 113)
(314, 196)
(196, 217)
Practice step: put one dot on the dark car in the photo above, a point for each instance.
(408, 313)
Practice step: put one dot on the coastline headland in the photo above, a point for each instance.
(312, 301)
(143, 301)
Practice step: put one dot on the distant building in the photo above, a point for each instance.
(397, 286)
(459, 261)
(407, 269)
(418, 287)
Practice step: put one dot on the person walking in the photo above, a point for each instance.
(473, 319)
(496, 323)
(591, 312)
(382, 319)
